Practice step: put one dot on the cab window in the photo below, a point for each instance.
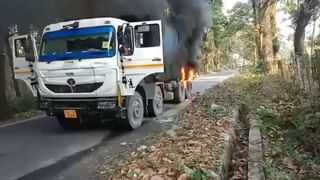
(20, 47)
(149, 37)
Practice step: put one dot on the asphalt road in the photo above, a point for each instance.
(29, 148)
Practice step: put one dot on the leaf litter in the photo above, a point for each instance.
(190, 150)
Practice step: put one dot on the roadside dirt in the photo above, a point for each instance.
(191, 149)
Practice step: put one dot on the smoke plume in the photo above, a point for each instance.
(184, 21)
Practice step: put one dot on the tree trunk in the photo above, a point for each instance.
(266, 32)
(7, 88)
(299, 38)
(4, 110)
(312, 58)
(303, 19)
(258, 53)
(275, 68)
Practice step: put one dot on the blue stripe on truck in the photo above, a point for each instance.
(78, 32)
(78, 55)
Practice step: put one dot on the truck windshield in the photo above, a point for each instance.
(84, 43)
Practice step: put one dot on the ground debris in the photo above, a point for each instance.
(189, 150)
(123, 144)
(192, 148)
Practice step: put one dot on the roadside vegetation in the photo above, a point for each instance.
(24, 104)
(21, 108)
(289, 119)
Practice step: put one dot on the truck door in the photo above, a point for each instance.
(148, 51)
(18, 46)
(21, 67)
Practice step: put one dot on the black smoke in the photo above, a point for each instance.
(184, 21)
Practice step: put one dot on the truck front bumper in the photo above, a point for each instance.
(98, 107)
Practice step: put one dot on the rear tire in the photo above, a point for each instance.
(155, 105)
(189, 91)
(135, 113)
(179, 93)
(68, 124)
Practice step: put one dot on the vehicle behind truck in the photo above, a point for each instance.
(105, 68)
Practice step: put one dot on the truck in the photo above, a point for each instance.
(106, 68)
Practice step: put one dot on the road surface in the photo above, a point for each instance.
(40, 149)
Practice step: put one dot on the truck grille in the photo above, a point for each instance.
(83, 88)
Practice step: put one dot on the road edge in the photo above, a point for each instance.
(255, 159)
(8, 123)
(69, 160)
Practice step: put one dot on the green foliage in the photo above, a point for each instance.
(220, 28)
(230, 34)
(241, 16)
(317, 41)
(23, 104)
(275, 173)
(199, 174)
(286, 116)
(290, 7)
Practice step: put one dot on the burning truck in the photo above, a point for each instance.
(123, 66)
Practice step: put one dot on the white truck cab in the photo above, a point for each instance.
(101, 68)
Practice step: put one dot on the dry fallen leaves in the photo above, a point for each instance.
(192, 144)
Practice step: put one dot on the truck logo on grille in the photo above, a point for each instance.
(71, 84)
(70, 74)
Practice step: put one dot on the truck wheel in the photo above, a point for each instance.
(68, 124)
(189, 90)
(179, 93)
(135, 112)
(155, 105)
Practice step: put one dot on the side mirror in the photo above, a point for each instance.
(121, 49)
(31, 50)
(125, 40)
(120, 37)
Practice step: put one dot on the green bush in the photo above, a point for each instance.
(24, 103)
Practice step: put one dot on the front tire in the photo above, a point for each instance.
(155, 105)
(189, 91)
(135, 112)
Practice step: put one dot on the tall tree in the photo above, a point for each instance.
(264, 13)
(306, 9)
(242, 24)
(220, 39)
(275, 65)
(301, 12)
(257, 38)
(266, 33)
(7, 88)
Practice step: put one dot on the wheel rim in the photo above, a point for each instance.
(182, 92)
(137, 111)
(188, 91)
(158, 102)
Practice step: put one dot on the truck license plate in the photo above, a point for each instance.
(70, 114)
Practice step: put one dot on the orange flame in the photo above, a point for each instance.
(187, 75)
(183, 74)
(191, 75)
